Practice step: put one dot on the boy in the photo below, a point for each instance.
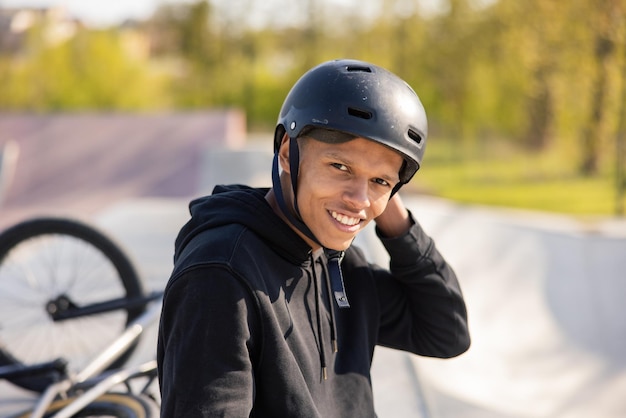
(270, 311)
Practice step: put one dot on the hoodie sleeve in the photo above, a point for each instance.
(422, 306)
(199, 377)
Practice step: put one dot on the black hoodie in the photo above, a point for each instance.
(248, 328)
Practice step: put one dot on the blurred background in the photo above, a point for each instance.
(525, 99)
(106, 102)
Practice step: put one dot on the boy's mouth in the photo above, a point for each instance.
(344, 219)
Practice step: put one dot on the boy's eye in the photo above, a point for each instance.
(340, 166)
(382, 182)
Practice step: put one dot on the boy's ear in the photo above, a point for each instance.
(283, 153)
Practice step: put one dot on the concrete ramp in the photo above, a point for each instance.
(546, 298)
(77, 163)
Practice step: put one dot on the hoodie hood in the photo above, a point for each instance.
(245, 206)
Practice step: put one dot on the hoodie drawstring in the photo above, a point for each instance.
(333, 327)
(319, 320)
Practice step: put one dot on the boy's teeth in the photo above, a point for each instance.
(346, 220)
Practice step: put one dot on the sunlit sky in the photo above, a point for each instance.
(96, 12)
(108, 12)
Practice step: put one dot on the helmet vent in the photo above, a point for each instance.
(415, 136)
(359, 113)
(358, 68)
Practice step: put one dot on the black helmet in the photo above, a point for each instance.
(360, 99)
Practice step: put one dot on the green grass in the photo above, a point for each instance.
(545, 182)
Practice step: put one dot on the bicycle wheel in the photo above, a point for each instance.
(119, 405)
(48, 261)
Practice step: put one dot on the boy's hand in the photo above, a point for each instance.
(395, 220)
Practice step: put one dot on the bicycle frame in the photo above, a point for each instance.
(102, 307)
(103, 383)
(58, 367)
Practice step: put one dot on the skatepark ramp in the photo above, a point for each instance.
(76, 163)
(545, 296)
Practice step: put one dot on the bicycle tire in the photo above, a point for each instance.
(43, 258)
(119, 405)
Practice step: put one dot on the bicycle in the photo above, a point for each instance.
(61, 277)
(97, 397)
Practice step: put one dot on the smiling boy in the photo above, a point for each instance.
(270, 310)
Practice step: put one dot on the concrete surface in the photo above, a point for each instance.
(547, 315)
(79, 163)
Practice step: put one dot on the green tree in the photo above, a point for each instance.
(89, 71)
(605, 18)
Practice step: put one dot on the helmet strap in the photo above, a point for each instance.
(294, 162)
(395, 189)
(294, 165)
